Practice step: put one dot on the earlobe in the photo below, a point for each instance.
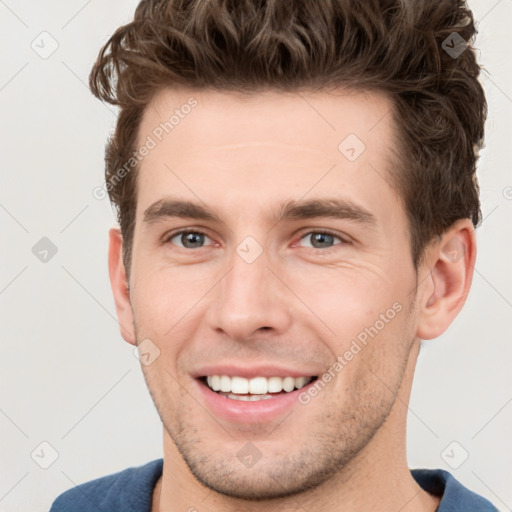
(120, 286)
(445, 290)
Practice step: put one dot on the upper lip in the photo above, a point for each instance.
(233, 370)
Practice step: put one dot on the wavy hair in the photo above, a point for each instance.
(399, 47)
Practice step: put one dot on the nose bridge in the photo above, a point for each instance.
(247, 280)
(248, 297)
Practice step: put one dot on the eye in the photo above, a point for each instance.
(320, 240)
(189, 239)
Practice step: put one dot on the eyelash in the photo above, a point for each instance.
(168, 238)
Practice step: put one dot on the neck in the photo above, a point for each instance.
(378, 478)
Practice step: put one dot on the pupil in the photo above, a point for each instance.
(319, 240)
(191, 240)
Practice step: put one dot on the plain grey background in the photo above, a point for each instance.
(73, 402)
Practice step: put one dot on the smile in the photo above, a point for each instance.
(257, 388)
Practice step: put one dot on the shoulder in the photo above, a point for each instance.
(455, 497)
(128, 490)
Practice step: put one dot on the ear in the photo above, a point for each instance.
(119, 285)
(449, 268)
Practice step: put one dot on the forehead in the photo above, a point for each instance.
(270, 145)
(216, 118)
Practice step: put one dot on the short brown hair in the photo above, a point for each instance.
(399, 47)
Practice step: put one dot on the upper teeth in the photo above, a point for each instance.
(255, 386)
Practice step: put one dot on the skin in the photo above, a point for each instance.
(295, 305)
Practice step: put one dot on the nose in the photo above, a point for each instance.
(250, 298)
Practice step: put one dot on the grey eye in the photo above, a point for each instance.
(320, 240)
(189, 239)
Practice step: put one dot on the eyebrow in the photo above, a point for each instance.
(292, 210)
(168, 208)
(329, 208)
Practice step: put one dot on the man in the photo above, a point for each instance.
(296, 193)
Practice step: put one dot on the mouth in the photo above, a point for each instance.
(254, 389)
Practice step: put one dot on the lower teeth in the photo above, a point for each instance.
(248, 398)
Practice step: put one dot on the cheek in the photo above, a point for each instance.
(162, 296)
(347, 299)
(367, 323)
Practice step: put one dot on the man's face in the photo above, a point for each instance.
(265, 288)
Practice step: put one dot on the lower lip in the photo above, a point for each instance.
(245, 412)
